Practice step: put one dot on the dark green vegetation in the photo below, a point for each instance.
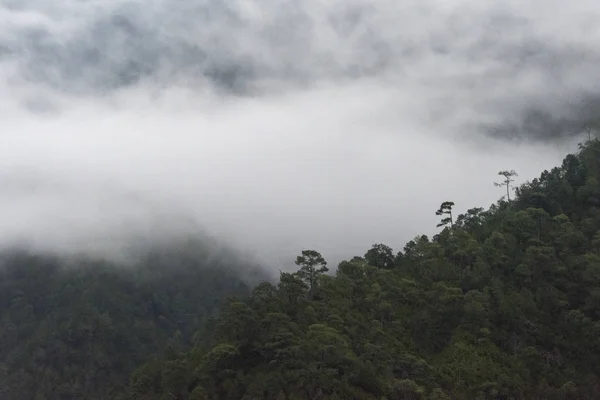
(502, 304)
(76, 329)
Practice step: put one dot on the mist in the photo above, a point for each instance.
(277, 126)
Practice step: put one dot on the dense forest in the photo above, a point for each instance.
(74, 328)
(503, 303)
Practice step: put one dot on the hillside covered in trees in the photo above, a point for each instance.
(76, 328)
(503, 303)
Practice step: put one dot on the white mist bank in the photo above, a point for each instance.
(279, 126)
(337, 176)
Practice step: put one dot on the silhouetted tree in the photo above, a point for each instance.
(508, 179)
(445, 209)
(312, 264)
(381, 256)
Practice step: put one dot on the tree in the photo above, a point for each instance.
(471, 220)
(508, 179)
(381, 256)
(291, 289)
(312, 264)
(445, 209)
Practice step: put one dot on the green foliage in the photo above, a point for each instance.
(77, 329)
(381, 256)
(505, 305)
(312, 265)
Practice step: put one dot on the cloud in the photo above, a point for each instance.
(279, 125)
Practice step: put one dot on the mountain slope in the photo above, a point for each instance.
(502, 304)
(76, 328)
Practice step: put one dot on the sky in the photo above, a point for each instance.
(278, 125)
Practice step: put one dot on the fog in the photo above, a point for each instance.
(278, 125)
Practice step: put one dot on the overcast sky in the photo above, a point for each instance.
(279, 124)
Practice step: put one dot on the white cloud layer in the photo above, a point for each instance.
(279, 125)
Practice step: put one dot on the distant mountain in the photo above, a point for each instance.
(76, 328)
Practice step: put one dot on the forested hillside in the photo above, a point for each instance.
(76, 329)
(504, 303)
